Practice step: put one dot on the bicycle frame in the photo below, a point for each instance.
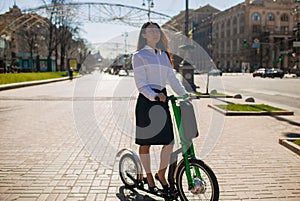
(189, 166)
(187, 147)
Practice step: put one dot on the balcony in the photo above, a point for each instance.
(276, 32)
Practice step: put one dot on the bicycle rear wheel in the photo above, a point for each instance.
(204, 188)
(129, 171)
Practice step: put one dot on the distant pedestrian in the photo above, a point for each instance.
(152, 67)
(71, 73)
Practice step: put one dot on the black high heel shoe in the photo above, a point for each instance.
(166, 187)
(152, 189)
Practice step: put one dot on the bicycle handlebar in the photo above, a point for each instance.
(184, 97)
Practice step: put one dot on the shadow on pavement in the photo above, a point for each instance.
(132, 195)
(294, 123)
(6, 109)
(292, 135)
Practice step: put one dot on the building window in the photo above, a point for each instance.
(235, 21)
(234, 45)
(228, 33)
(256, 29)
(222, 30)
(255, 17)
(242, 29)
(284, 29)
(284, 18)
(242, 18)
(228, 24)
(270, 17)
(235, 30)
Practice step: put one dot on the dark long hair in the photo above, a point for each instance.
(163, 43)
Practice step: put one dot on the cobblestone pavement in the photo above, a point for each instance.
(58, 142)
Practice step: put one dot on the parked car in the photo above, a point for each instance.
(295, 71)
(273, 72)
(123, 72)
(259, 72)
(215, 72)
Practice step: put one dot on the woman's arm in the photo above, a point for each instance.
(175, 84)
(140, 77)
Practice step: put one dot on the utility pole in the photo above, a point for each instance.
(186, 69)
(186, 30)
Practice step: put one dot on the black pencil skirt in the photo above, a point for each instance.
(153, 122)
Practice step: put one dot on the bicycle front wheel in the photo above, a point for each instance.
(205, 186)
(129, 172)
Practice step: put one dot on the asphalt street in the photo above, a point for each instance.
(282, 92)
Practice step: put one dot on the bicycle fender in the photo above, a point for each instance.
(135, 156)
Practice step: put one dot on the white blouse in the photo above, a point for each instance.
(153, 70)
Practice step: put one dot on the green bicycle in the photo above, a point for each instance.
(190, 178)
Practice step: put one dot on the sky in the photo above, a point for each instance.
(94, 33)
(108, 39)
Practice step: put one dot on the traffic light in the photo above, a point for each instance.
(280, 59)
(245, 43)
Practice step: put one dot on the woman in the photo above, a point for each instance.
(152, 69)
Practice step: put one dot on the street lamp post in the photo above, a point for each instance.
(5, 38)
(125, 53)
(125, 41)
(295, 12)
(150, 5)
(2, 46)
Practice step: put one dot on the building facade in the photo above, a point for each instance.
(254, 34)
(24, 37)
(202, 31)
(199, 29)
(30, 42)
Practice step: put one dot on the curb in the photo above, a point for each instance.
(233, 113)
(286, 142)
(31, 83)
(216, 97)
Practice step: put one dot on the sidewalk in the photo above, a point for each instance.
(45, 157)
(32, 83)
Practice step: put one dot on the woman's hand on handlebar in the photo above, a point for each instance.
(189, 96)
(161, 97)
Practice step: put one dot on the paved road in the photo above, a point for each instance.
(58, 142)
(283, 92)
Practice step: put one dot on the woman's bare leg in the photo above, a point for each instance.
(144, 152)
(165, 155)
